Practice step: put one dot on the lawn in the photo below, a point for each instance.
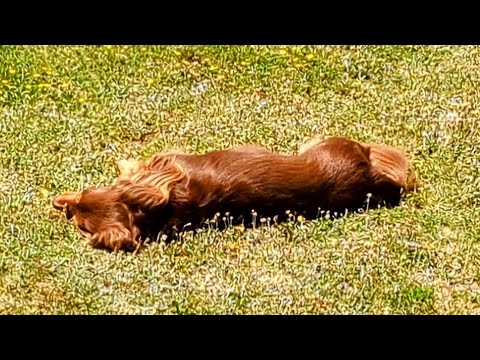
(68, 112)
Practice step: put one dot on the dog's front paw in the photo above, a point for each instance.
(128, 168)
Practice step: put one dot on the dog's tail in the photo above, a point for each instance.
(393, 163)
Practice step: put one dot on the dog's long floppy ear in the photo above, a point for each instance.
(146, 197)
(151, 189)
(115, 237)
(66, 202)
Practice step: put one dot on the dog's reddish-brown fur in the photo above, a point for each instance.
(169, 191)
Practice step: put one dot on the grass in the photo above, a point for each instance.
(67, 112)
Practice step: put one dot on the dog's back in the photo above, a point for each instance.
(335, 174)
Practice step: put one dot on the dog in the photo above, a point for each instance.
(173, 190)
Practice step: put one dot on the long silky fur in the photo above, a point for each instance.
(173, 189)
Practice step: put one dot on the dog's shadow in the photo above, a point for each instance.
(253, 222)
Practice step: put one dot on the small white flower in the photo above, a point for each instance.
(200, 88)
(452, 116)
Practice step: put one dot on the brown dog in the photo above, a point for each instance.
(169, 191)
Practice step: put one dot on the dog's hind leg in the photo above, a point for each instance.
(303, 148)
(255, 149)
(393, 164)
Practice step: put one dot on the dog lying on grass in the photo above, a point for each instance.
(173, 190)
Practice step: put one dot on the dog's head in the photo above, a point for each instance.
(101, 216)
(109, 216)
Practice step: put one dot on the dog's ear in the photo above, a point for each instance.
(146, 197)
(115, 237)
(151, 189)
(66, 202)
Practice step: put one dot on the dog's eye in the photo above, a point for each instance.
(83, 228)
(68, 212)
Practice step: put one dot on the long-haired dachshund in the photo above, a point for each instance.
(172, 190)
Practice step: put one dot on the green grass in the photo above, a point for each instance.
(68, 112)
